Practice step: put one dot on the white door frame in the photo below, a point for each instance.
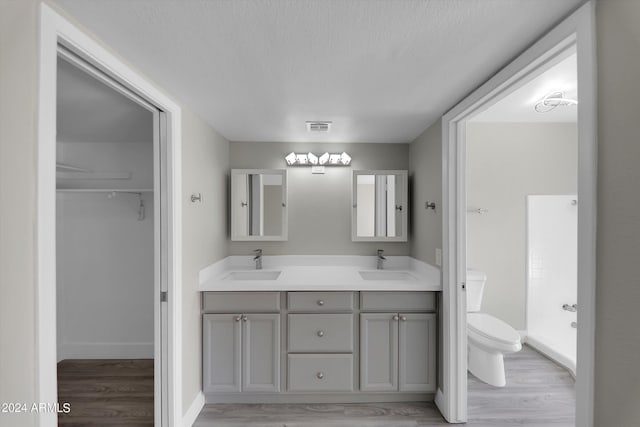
(578, 30)
(54, 30)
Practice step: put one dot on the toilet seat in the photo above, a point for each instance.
(492, 328)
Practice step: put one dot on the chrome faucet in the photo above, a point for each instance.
(258, 259)
(381, 259)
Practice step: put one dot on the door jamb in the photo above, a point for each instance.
(578, 29)
(54, 30)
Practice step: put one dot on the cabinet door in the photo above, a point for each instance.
(417, 352)
(378, 352)
(261, 353)
(221, 352)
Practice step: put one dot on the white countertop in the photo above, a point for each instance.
(321, 273)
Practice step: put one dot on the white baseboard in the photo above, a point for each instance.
(554, 355)
(101, 350)
(194, 410)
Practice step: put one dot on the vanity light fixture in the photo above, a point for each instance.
(553, 100)
(291, 158)
(310, 159)
(324, 158)
(345, 158)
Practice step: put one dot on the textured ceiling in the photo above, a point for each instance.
(518, 106)
(89, 111)
(382, 71)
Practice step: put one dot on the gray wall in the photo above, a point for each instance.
(18, 143)
(505, 163)
(319, 205)
(425, 177)
(205, 170)
(617, 377)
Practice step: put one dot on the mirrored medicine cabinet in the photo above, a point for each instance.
(380, 206)
(258, 204)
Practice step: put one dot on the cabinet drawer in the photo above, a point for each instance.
(397, 301)
(319, 302)
(318, 333)
(321, 372)
(241, 302)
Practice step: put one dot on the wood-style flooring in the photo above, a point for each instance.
(538, 393)
(106, 392)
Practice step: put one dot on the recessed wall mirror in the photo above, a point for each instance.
(258, 204)
(380, 206)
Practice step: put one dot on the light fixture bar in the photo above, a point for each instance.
(325, 159)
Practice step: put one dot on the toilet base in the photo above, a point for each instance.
(487, 366)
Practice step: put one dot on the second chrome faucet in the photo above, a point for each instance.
(380, 260)
(258, 259)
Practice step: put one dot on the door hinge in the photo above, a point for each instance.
(163, 296)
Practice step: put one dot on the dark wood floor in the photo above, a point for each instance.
(538, 393)
(106, 392)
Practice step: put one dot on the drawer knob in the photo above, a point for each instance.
(238, 318)
(395, 317)
(320, 333)
(320, 302)
(244, 318)
(403, 318)
(320, 375)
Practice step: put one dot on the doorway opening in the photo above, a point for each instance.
(575, 32)
(521, 173)
(105, 239)
(160, 207)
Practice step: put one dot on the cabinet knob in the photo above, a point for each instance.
(403, 318)
(244, 318)
(320, 375)
(320, 302)
(320, 333)
(395, 317)
(238, 318)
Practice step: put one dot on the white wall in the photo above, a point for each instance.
(205, 169)
(319, 205)
(617, 377)
(505, 163)
(105, 266)
(18, 142)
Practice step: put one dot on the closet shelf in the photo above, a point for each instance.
(104, 190)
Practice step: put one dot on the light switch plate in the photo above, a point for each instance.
(439, 257)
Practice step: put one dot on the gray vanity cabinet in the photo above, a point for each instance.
(241, 349)
(397, 349)
(221, 347)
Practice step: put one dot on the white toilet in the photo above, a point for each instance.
(488, 338)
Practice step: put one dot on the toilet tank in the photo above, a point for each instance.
(475, 287)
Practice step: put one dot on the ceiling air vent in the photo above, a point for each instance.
(318, 126)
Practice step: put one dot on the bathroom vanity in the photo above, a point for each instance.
(319, 329)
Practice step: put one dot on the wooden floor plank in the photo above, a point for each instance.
(538, 393)
(106, 392)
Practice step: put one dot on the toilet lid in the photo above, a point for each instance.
(492, 328)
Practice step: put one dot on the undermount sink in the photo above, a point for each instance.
(386, 275)
(253, 275)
